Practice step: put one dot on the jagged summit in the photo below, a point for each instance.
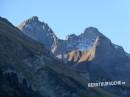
(32, 20)
(91, 29)
(94, 57)
(35, 18)
(39, 31)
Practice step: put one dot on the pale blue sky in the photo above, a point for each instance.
(111, 17)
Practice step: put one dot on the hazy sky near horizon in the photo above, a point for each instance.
(111, 17)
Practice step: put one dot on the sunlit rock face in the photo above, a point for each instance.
(90, 51)
(41, 32)
(28, 69)
(28, 65)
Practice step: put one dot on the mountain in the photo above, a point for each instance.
(39, 31)
(91, 45)
(91, 53)
(29, 69)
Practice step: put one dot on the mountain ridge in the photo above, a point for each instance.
(89, 33)
(48, 75)
(105, 58)
(27, 68)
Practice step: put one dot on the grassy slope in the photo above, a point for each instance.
(61, 69)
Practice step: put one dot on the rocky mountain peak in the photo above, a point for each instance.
(90, 56)
(91, 30)
(39, 31)
(32, 19)
(35, 18)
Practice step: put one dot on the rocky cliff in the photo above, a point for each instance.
(90, 53)
(90, 46)
(28, 69)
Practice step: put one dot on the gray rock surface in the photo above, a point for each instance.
(110, 61)
(39, 31)
(28, 69)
